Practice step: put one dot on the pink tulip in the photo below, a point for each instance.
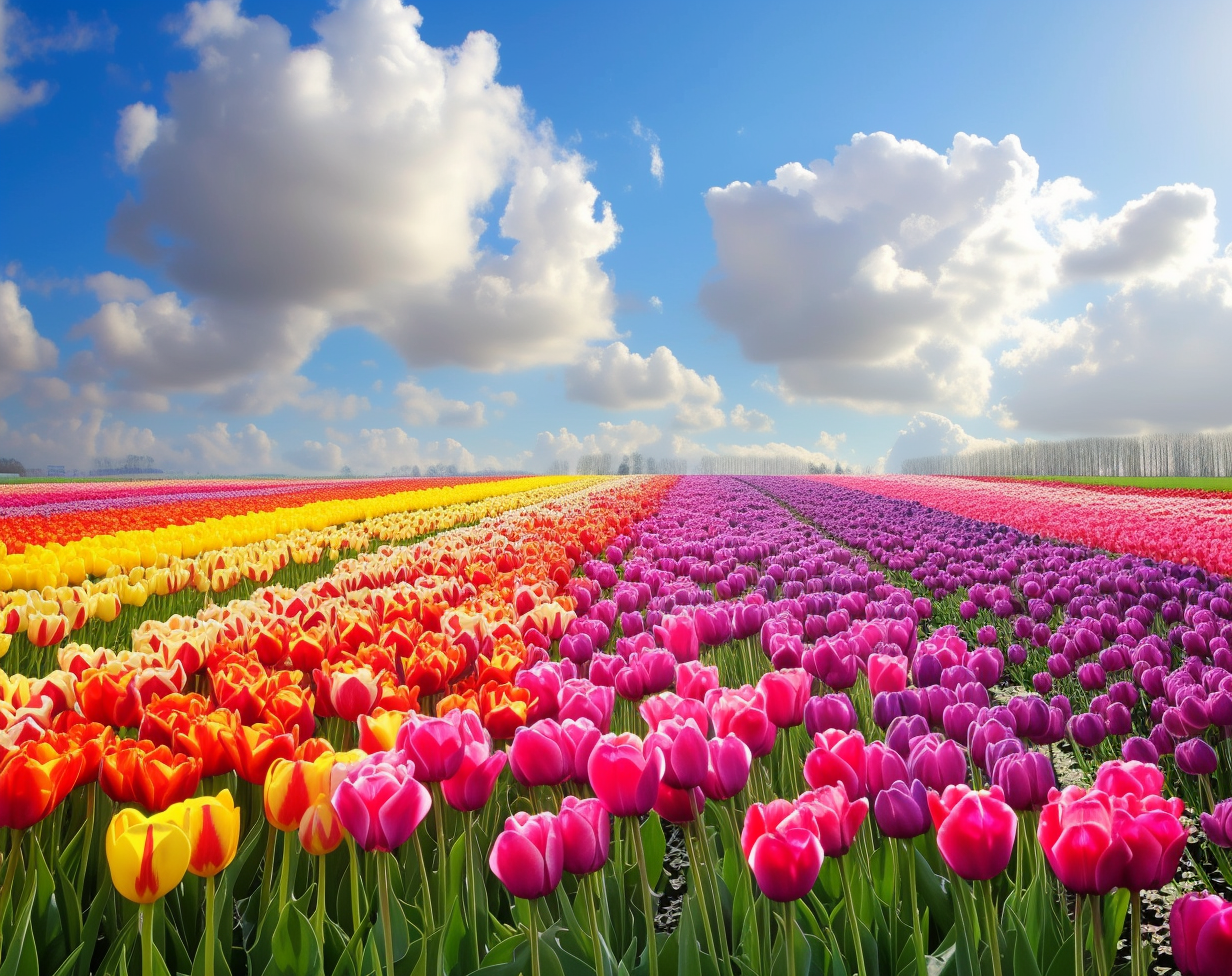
(678, 635)
(380, 804)
(624, 777)
(685, 755)
(887, 672)
(580, 737)
(581, 699)
(783, 849)
(539, 755)
(433, 745)
(668, 705)
(529, 855)
(694, 680)
(471, 786)
(839, 758)
(838, 818)
(975, 830)
(741, 712)
(785, 693)
(586, 832)
(728, 771)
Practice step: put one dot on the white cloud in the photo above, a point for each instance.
(896, 278)
(656, 157)
(23, 349)
(929, 434)
(656, 303)
(506, 398)
(830, 442)
(376, 451)
(137, 132)
(297, 189)
(743, 418)
(218, 449)
(317, 458)
(609, 438)
(111, 287)
(20, 41)
(76, 440)
(425, 408)
(620, 379)
(775, 449)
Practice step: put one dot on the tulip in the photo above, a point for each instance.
(433, 746)
(254, 748)
(471, 787)
(133, 771)
(1218, 825)
(148, 858)
(586, 830)
(826, 712)
(1076, 833)
(685, 755)
(1026, 779)
(320, 829)
(838, 818)
(887, 673)
(212, 826)
(580, 699)
(580, 736)
(782, 848)
(528, 855)
(624, 775)
(378, 732)
(1120, 778)
(539, 755)
(730, 762)
(1201, 928)
(837, 759)
(740, 712)
(975, 830)
(679, 806)
(694, 680)
(380, 804)
(292, 786)
(1153, 832)
(1196, 757)
(667, 705)
(884, 768)
(785, 694)
(939, 763)
(901, 810)
(34, 778)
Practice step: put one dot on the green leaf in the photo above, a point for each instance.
(293, 951)
(70, 905)
(89, 930)
(115, 954)
(656, 848)
(1023, 958)
(70, 963)
(688, 954)
(1116, 906)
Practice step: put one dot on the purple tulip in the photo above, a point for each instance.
(1196, 757)
(1025, 778)
(825, 712)
(1087, 730)
(902, 810)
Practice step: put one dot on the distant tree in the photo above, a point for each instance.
(558, 467)
(11, 466)
(624, 465)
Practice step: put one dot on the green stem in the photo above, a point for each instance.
(427, 889)
(147, 939)
(1210, 797)
(1135, 934)
(1097, 935)
(472, 882)
(652, 946)
(993, 933)
(789, 933)
(267, 868)
(210, 928)
(382, 870)
(1079, 968)
(318, 916)
(9, 873)
(696, 870)
(921, 964)
(534, 939)
(87, 848)
(284, 882)
(852, 918)
(585, 884)
(442, 844)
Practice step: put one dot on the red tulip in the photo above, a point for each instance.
(529, 855)
(679, 806)
(624, 777)
(782, 847)
(1076, 833)
(975, 830)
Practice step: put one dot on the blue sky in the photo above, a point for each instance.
(951, 291)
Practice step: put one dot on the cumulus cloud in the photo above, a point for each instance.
(376, 451)
(621, 379)
(75, 440)
(929, 434)
(137, 132)
(22, 349)
(830, 442)
(744, 418)
(425, 408)
(609, 438)
(297, 189)
(218, 449)
(897, 278)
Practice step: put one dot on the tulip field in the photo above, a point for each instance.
(630, 726)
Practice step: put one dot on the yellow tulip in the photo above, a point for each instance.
(212, 824)
(148, 858)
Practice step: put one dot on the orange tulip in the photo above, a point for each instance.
(503, 708)
(108, 695)
(292, 708)
(34, 778)
(378, 731)
(253, 749)
(133, 771)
